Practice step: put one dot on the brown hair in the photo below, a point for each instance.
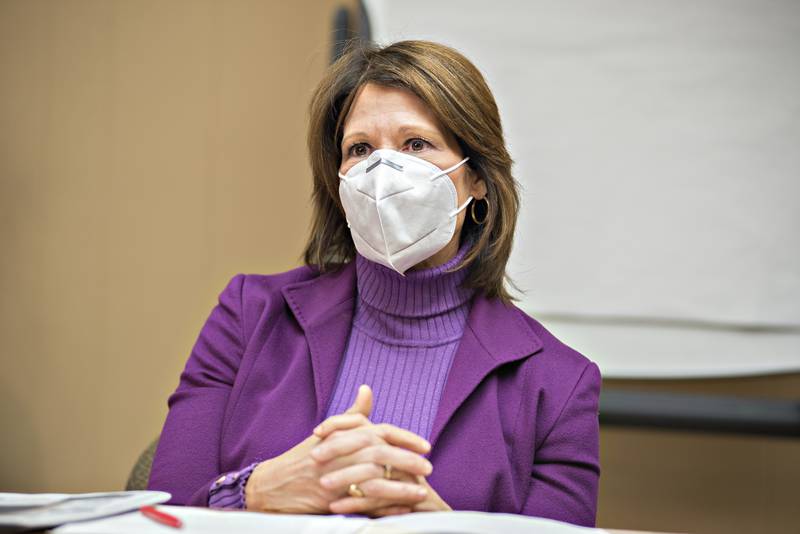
(458, 96)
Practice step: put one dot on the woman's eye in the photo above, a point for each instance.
(416, 144)
(359, 150)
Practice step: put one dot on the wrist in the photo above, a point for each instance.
(253, 498)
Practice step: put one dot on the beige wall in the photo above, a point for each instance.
(151, 150)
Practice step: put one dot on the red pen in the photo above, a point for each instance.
(161, 517)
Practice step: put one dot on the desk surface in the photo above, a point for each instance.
(209, 521)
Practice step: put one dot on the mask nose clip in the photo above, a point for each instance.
(373, 161)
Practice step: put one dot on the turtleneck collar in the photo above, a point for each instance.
(427, 306)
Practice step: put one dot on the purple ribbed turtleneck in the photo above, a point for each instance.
(404, 335)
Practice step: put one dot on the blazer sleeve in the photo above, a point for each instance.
(566, 468)
(186, 461)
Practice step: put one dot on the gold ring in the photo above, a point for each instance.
(387, 471)
(355, 491)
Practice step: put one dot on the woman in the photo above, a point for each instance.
(465, 401)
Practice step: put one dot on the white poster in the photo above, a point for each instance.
(658, 145)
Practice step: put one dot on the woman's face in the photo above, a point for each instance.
(391, 117)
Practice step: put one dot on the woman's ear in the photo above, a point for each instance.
(477, 185)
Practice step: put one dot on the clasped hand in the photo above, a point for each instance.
(314, 476)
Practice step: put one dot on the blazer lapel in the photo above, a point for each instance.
(495, 334)
(323, 306)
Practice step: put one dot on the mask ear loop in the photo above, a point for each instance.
(449, 169)
(444, 172)
(460, 209)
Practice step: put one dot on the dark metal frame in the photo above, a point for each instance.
(345, 29)
(701, 413)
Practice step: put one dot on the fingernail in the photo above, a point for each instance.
(422, 492)
(316, 452)
(325, 481)
(427, 445)
(317, 429)
(428, 467)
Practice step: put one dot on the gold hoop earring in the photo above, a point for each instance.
(472, 212)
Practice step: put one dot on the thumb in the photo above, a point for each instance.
(363, 402)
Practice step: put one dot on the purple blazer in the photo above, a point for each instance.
(516, 429)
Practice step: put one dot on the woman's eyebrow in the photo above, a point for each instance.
(403, 130)
(353, 134)
(418, 128)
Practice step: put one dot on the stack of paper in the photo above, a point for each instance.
(40, 510)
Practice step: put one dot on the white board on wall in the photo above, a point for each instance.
(658, 146)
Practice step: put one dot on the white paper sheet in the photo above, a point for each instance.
(206, 521)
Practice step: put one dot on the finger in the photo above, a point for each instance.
(399, 459)
(393, 491)
(380, 494)
(402, 476)
(352, 505)
(352, 474)
(347, 442)
(363, 402)
(345, 421)
(390, 510)
(401, 437)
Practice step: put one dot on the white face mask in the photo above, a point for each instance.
(400, 209)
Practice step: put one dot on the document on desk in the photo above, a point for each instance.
(20, 511)
(206, 521)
